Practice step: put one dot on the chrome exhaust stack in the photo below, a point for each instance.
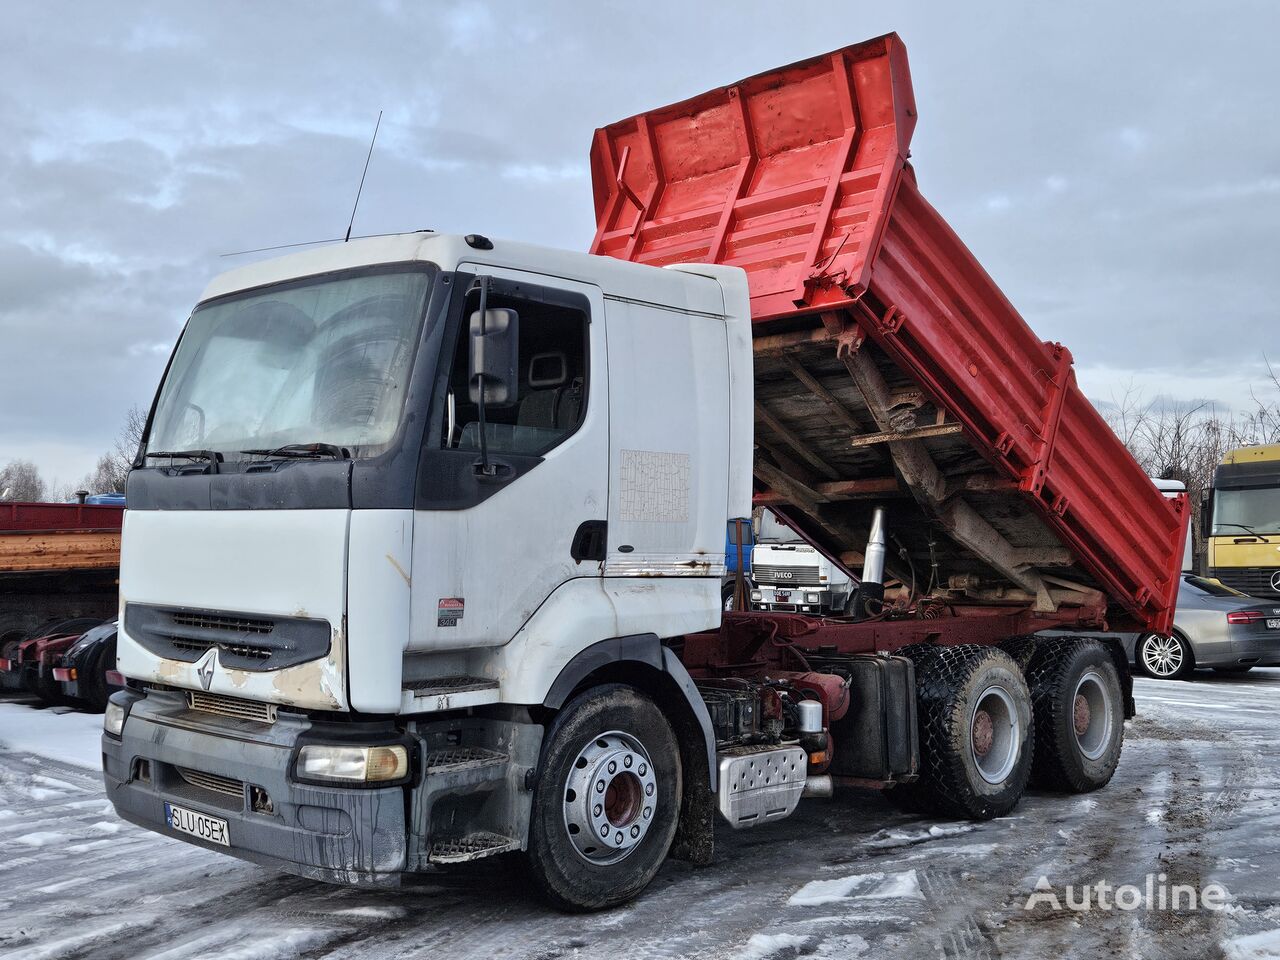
(871, 587)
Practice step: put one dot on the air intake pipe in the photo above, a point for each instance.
(872, 586)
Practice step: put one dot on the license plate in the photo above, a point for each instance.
(196, 824)
(1273, 623)
(784, 596)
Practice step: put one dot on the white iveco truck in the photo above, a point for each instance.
(790, 575)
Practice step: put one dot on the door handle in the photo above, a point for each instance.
(589, 541)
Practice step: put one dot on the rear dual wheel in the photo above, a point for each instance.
(1079, 711)
(976, 734)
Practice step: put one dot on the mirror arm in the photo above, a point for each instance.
(485, 466)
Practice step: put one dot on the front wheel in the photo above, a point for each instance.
(1165, 658)
(607, 800)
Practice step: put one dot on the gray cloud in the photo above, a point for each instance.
(1113, 165)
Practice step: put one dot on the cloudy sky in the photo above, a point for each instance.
(1115, 165)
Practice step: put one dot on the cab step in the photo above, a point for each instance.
(453, 759)
(457, 768)
(449, 693)
(473, 846)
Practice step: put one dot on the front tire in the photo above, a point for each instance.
(976, 733)
(1079, 713)
(1165, 658)
(607, 801)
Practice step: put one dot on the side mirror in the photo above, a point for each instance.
(1206, 514)
(495, 356)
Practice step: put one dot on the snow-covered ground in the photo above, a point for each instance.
(1197, 799)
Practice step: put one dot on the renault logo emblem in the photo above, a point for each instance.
(1275, 581)
(204, 669)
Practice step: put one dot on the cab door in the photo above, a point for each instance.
(489, 546)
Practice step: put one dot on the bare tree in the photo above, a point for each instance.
(112, 469)
(1181, 441)
(21, 480)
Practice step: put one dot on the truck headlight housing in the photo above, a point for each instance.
(757, 595)
(340, 763)
(113, 719)
(813, 598)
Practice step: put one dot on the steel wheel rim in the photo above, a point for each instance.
(995, 734)
(1163, 656)
(1092, 704)
(610, 798)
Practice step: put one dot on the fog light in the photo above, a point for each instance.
(260, 801)
(813, 598)
(113, 719)
(353, 764)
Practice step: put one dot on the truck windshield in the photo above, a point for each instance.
(1241, 512)
(318, 361)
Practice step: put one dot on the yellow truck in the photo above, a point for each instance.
(1242, 521)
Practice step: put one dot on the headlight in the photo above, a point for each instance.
(353, 764)
(756, 595)
(813, 598)
(113, 719)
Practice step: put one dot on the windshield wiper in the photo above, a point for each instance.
(313, 451)
(1249, 530)
(210, 455)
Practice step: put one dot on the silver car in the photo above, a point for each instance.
(1214, 626)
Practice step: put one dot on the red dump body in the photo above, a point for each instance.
(800, 177)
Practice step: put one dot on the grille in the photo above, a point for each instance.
(239, 649)
(205, 621)
(1255, 581)
(212, 782)
(785, 576)
(231, 707)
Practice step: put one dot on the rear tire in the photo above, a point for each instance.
(976, 733)
(1079, 715)
(1165, 658)
(610, 763)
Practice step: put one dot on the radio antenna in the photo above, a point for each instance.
(359, 189)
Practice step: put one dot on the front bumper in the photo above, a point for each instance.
(346, 835)
(792, 599)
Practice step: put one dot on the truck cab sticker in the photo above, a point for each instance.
(449, 611)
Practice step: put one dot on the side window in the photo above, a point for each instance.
(551, 398)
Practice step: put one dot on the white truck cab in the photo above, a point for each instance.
(409, 478)
(791, 576)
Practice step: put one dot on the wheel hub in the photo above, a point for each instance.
(995, 734)
(1093, 715)
(1081, 715)
(610, 797)
(982, 733)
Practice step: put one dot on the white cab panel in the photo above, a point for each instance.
(379, 585)
(668, 442)
(289, 563)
